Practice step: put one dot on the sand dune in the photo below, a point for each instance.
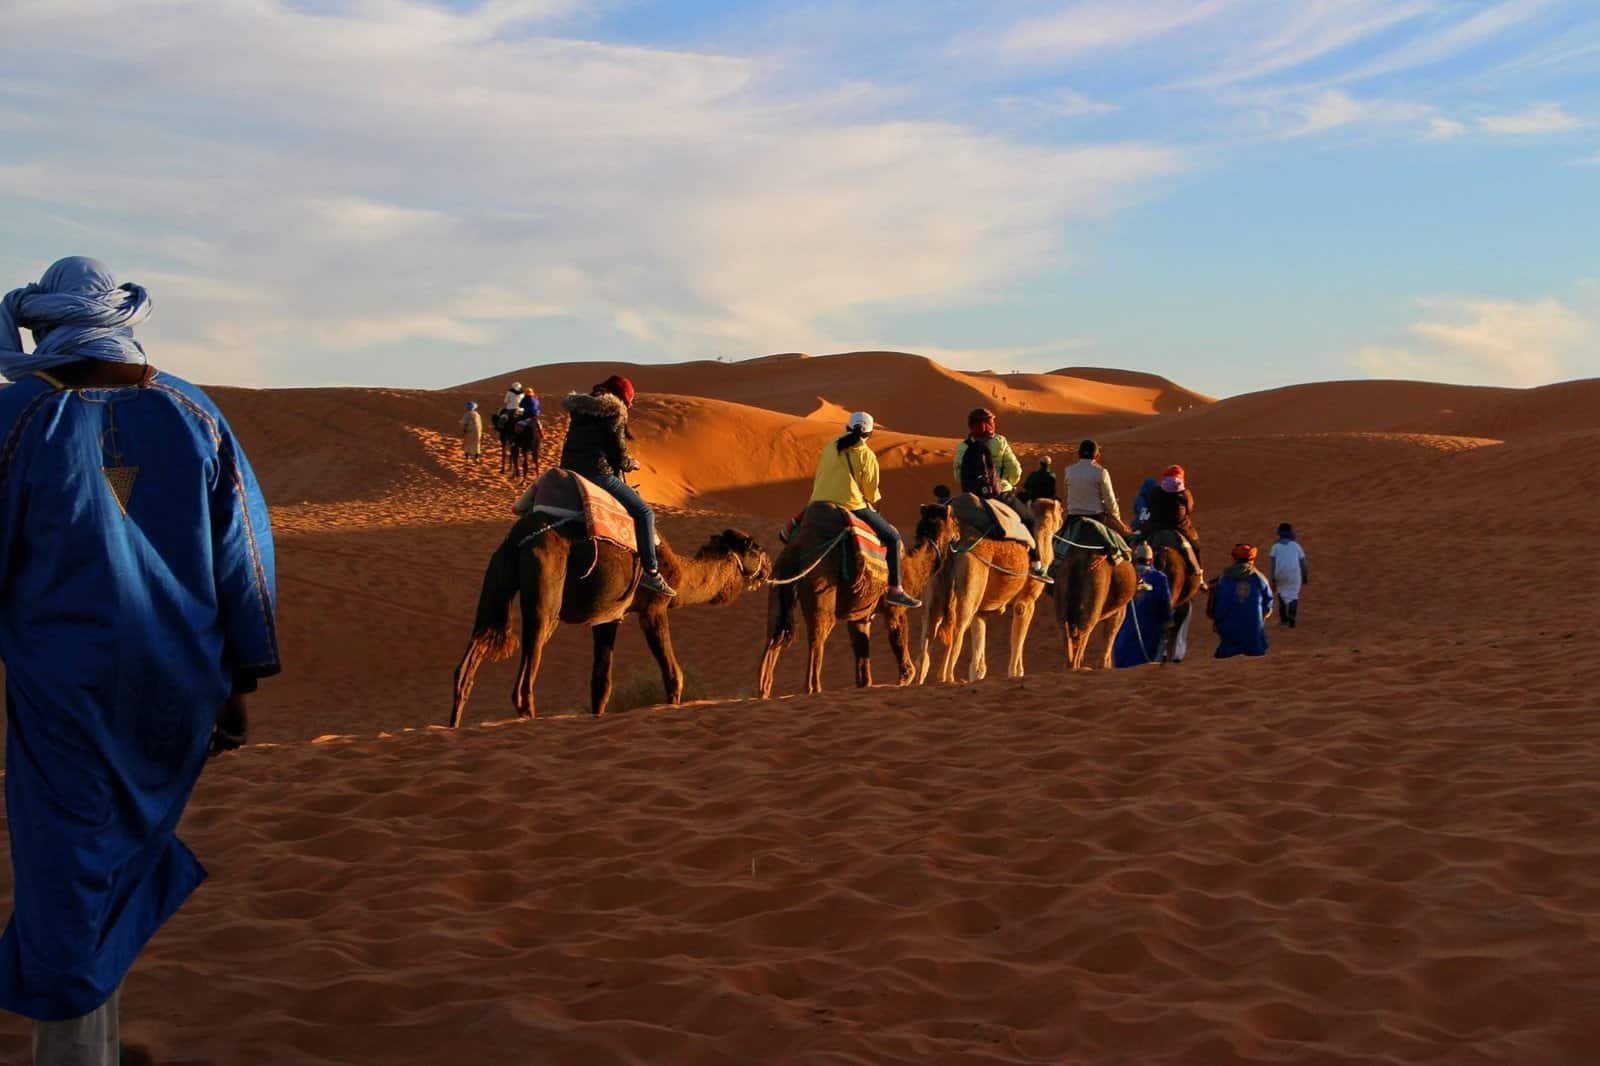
(908, 393)
(1375, 846)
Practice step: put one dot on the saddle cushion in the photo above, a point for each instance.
(994, 519)
(562, 494)
(865, 555)
(1091, 533)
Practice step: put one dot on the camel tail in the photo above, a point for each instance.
(780, 615)
(492, 626)
(493, 637)
(943, 611)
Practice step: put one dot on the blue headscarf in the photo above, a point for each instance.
(76, 311)
(471, 406)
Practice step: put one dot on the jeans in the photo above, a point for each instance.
(644, 519)
(890, 537)
(91, 1040)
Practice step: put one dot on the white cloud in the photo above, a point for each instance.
(395, 173)
(1488, 342)
(1541, 118)
(1300, 116)
(1063, 103)
(1589, 160)
(1103, 24)
(1444, 129)
(1309, 32)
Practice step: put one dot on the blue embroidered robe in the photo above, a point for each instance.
(1241, 604)
(137, 592)
(1139, 640)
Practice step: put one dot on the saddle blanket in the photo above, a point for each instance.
(1081, 532)
(564, 495)
(865, 552)
(995, 519)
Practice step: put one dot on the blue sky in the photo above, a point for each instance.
(1235, 193)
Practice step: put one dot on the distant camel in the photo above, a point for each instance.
(562, 576)
(816, 550)
(1092, 595)
(519, 444)
(985, 576)
(1184, 581)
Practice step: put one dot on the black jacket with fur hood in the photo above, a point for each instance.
(597, 439)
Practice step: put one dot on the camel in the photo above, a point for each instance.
(985, 576)
(562, 576)
(822, 602)
(1184, 582)
(519, 443)
(1092, 596)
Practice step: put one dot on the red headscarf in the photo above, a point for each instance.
(981, 422)
(1245, 553)
(618, 386)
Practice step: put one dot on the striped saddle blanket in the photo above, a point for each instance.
(561, 494)
(865, 554)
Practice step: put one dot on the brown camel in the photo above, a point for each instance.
(823, 603)
(1092, 596)
(984, 576)
(562, 576)
(1185, 582)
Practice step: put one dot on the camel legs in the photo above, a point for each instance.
(1110, 628)
(659, 637)
(605, 645)
(1021, 622)
(1169, 647)
(861, 648)
(541, 613)
(978, 665)
(818, 610)
(898, 623)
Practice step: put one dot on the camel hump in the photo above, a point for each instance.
(990, 519)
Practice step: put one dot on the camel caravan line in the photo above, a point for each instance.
(572, 556)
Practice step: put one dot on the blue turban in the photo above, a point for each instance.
(471, 406)
(76, 311)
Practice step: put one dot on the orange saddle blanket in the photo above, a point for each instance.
(561, 494)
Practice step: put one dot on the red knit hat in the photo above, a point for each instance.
(618, 386)
(1173, 471)
(1245, 553)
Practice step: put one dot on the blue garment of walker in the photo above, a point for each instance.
(136, 594)
(1141, 501)
(1138, 642)
(1242, 604)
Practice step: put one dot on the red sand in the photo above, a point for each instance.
(1377, 845)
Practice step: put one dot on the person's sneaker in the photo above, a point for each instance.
(652, 581)
(1037, 573)
(902, 598)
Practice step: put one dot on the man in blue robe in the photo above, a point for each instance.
(1239, 606)
(1138, 642)
(137, 596)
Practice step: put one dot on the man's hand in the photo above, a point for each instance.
(232, 728)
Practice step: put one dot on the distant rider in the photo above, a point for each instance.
(848, 475)
(990, 470)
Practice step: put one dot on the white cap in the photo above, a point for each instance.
(860, 420)
(516, 386)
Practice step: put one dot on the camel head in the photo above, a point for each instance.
(742, 547)
(937, 525)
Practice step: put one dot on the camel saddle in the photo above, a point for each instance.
(1094, 535)
(865, 555)
(995, 520)
(565, 496)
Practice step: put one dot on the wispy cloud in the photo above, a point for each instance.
(1444, 129)
(1447, 40)
(1061, 103)
(1487, 341)
(1332, 109)
(1541, 118)
(1104, 24)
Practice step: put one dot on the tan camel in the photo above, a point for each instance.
(562, 576)
(823, 603)
(985, 576)
(1092, 596)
